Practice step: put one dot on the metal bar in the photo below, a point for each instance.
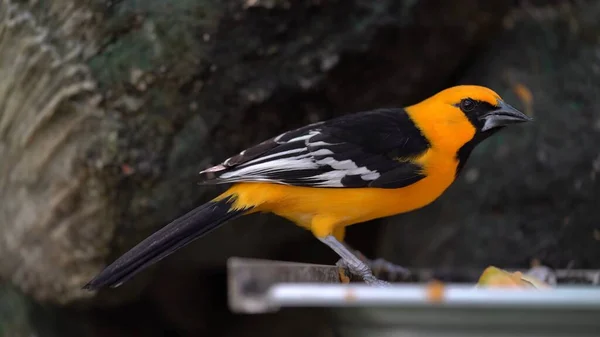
(416, 308)
(320, 295)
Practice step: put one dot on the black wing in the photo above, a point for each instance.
(365, 149)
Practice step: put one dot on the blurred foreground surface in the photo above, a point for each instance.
(504, 303)
(179, 86)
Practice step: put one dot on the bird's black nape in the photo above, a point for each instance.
(464, 152)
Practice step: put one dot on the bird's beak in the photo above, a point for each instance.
(502, 116)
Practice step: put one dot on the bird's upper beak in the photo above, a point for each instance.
(504, 115)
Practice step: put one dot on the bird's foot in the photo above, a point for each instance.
(382, 266)
(393, 270)
(362, 271)
(374, 281)
(356, 263)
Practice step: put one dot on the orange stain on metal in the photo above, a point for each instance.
(350, 296)
(435, 291)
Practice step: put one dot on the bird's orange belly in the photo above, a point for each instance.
(338, 207)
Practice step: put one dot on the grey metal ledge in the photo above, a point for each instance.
(414, 309)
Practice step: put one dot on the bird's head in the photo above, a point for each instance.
(465, 113)
(484, 108)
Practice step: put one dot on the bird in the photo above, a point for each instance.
(328, 175)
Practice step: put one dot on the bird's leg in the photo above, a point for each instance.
(381, 264)
(352, 262)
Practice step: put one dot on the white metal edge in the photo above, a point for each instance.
(325, 295)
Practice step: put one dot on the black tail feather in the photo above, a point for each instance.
(165, 241)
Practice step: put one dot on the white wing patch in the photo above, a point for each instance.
(274, 166)
(277, 165)
(304, 137)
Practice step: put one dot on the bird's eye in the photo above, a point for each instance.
(467, 104)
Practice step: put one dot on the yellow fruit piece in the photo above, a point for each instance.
(496, 277)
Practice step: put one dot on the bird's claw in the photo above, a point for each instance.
(365, 274)
(395, 271)
(380, 265)
(374, 281)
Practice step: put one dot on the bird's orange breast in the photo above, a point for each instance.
(347, 206)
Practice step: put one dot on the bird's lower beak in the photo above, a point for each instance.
(504, 115)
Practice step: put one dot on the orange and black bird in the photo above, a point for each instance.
(331, 174)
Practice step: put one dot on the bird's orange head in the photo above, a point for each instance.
(463, 114)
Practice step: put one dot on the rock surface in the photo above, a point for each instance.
(119, 104)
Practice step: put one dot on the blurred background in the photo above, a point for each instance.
(109, 109)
